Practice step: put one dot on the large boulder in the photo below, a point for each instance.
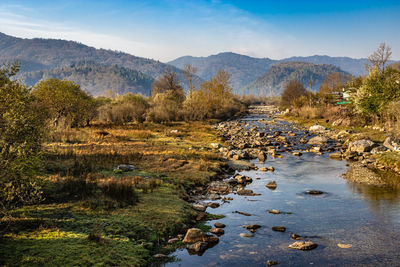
(361, 146)
(125, 168)
(318, 140)
(198, 246)
(392, 143)
(194, 235)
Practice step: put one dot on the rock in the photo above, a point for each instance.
(215, 145)
(314, 192)
(265, 169)
(316, 149)
(214, 196)
(248, 235)
(297, 153)
(262, 156)
(252, 226)
(174, 131)
(242, 179)
(318, 140)
(173, 240)
(201, 216)
(125, 168)
(344, 245)
(392, 143)
(361, 146)
(336, 155)
(198, 246)
(295, 237)
(278, 228)
(245, 192)
(317, 128)
(303, 245)
(159, 256)
(271, 263)
(219, 187)
(219, 225)
(217, 231)
(378, 149)
(271, 185)
(213, 205)
(199, 207)
(242, 213)
(274, 211)
(194, 235)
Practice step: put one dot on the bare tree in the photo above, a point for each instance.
(380, 57)
(190, 76)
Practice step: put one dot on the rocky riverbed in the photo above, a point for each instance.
(287, 197)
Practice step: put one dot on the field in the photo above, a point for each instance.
(92, 214)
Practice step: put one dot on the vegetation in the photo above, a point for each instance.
(21, 131)
(96, 79)
(63, 199)
(275, 79)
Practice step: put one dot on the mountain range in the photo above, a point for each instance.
(99, 70)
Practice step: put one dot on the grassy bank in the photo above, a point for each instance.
(93, 215)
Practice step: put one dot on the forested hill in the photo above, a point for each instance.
(243, 69)
(97, 79)
(44, 54)
(274, 80)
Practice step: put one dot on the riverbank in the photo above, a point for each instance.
(373, 154)
(98, 211)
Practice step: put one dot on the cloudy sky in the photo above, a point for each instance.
(167, 29)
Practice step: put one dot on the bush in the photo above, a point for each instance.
(123, 109)
(21, 131)
(293, 90)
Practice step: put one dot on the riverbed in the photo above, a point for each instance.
(352, 224)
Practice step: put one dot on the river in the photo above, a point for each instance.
(353, 224)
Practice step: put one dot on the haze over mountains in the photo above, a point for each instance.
(99, 70)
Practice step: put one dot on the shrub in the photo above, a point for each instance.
(21, 131)
(293, 90)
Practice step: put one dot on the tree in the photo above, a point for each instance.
(190, 76)
(334, 82)
(293, 90)
(21, 131)
(376, 91)
(167, 98)
(380, 57)
(65, 102)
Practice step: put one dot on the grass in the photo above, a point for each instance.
(95, 216)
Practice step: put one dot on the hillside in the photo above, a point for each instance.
(44, 54)
(244, 69)
(96, 79)
(274, 80)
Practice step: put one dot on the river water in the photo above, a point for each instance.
(365, 217)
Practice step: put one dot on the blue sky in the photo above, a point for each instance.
(167, 29)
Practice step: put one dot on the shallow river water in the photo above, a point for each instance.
(365, 217)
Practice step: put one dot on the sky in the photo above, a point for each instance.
(167, 29)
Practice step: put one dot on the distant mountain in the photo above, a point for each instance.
(350, 65)
(96, 79)
(45, 54)
(272, 83)
(244, 69)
